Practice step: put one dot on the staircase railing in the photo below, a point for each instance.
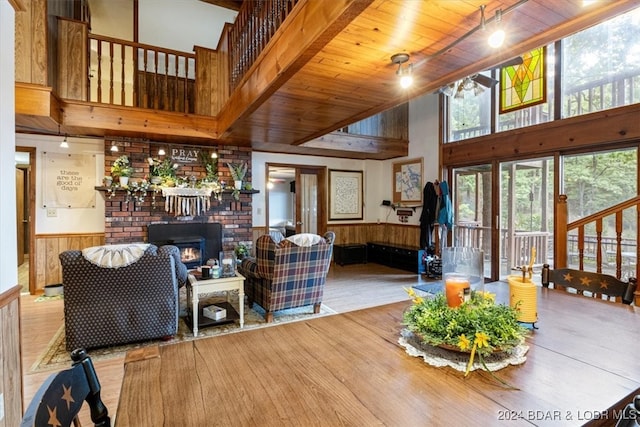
(613, 254)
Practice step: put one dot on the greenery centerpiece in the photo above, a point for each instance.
(478, 326)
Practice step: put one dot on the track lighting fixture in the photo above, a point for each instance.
(406, 77)
(497, 37)
(64, 143)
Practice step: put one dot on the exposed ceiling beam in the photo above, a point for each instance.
(227, 4)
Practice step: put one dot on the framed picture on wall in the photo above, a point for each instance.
(345, 194)
(407, 181)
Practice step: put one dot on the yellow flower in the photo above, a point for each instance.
(482, 339)
(488, 296)
(418, 300)
(464, 343)
(410, 291)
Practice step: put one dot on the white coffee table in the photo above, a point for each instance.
(196, 287)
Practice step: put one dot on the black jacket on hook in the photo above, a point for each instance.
(428, 216)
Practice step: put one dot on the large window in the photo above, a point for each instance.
(470, 111)
(600, 70)
(601, 66)
(593, 182)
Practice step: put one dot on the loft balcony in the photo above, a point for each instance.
(288, 76)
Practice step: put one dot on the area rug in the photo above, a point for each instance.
(56, 357)
(44, 298)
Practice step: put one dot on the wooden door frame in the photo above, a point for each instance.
(322, 191)
(32, 217)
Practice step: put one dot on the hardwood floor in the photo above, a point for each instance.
(348, 288)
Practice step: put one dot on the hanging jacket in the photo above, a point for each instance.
(428, 215)
(429, 201)
(445, 215)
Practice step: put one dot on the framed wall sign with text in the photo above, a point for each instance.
(345, 194)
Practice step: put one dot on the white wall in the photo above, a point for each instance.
(8, 231)
(113, 18)
(423, 137)
(76, 220)
(182, 24)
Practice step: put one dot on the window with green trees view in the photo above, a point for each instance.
(596, 181)
(600, 70)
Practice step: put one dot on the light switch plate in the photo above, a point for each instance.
(52, 212)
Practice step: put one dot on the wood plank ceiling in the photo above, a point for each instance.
(330, 66)
(345, 74)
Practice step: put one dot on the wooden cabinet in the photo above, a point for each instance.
(393, 255)
(350, 253)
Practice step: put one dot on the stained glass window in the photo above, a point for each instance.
(524, 85)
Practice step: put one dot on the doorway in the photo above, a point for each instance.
(296, 195)
(526, 213)
(472, 191)
(25, 207)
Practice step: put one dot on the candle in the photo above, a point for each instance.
(457, 289)
(523, 295)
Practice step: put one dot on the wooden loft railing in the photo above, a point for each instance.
(124, 73)
(140, 75)
(617, 256)
(255, 25)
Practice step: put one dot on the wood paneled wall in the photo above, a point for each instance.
(49, 246)
(10, 357)
(408, 235)
(31, 43)
(72, 60)
(393, 123)
(206, 90)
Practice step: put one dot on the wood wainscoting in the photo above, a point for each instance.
(10, 345)
(398, 234)
(46, 265)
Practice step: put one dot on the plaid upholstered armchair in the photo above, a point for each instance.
(288, 273)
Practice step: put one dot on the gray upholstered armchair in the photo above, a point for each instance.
(117, 294)
(288, 273)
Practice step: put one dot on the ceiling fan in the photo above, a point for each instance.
(476, 82)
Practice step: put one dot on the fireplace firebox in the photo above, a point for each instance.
(191, 250)
(197, 241)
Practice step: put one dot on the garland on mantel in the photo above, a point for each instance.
(186, 201)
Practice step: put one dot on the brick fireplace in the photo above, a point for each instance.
(128, 221)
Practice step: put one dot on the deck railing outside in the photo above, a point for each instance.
(588, 98)
(515, 247)
(613, 255)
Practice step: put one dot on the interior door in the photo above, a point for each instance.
(308, 190)
(307, 205)
(20, 214)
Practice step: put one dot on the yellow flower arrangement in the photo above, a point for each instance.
(478, 326)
